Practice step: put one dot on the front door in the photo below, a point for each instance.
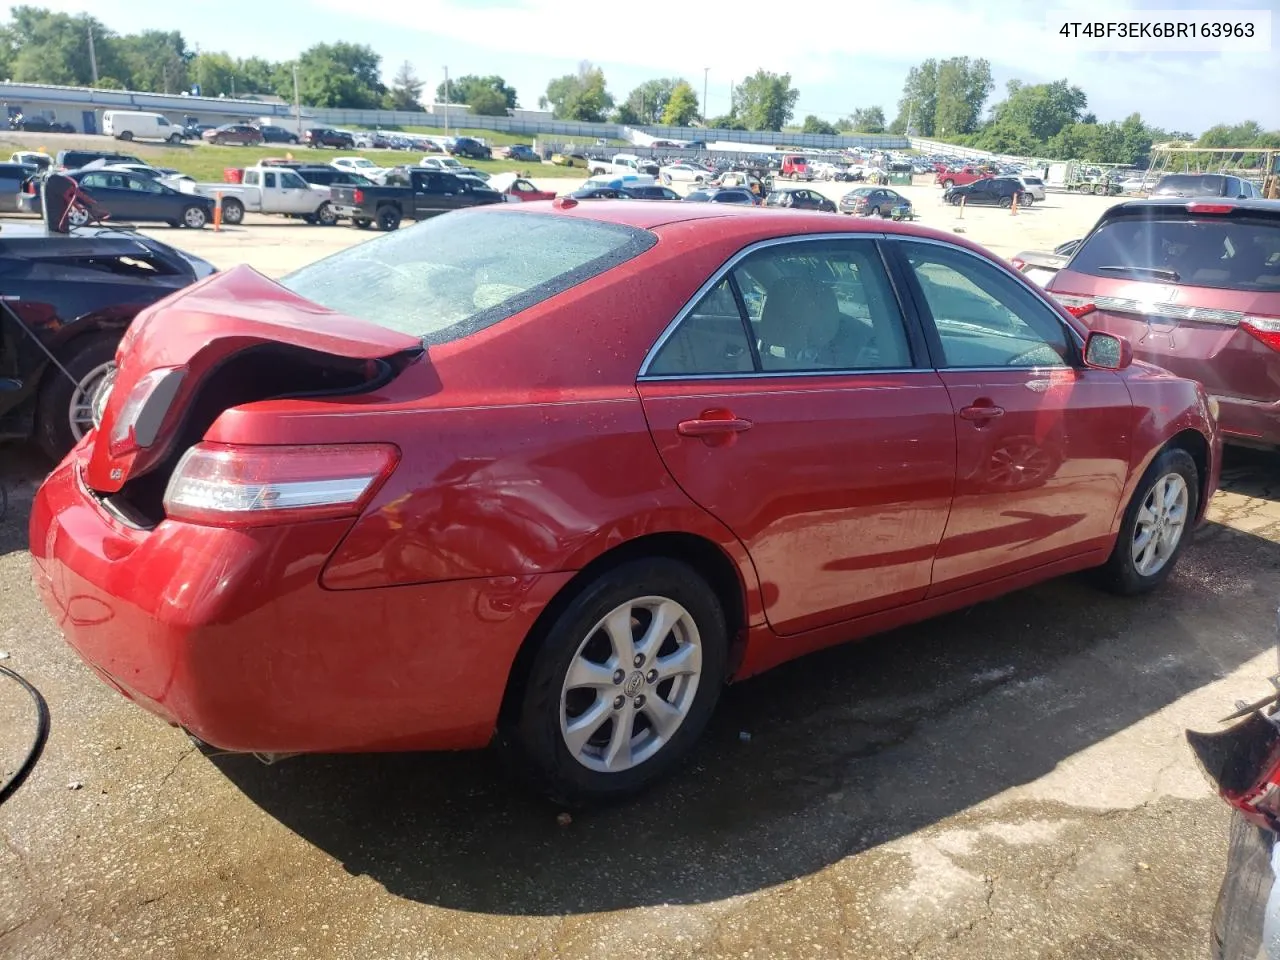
(794, 403)
(295, 195)
(1043, 443)
(434, 193)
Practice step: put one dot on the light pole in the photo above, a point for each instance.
(297, 101)
(705, 72)
(446, 102)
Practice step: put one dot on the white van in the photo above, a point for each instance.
(136, 125)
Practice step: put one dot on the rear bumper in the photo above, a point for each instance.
(351, 212)
(229, 634)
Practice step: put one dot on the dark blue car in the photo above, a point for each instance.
(122, 196)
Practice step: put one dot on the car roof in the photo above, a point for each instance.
(764, 222)
(1170, 204)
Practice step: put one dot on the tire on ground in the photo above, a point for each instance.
(53, 403)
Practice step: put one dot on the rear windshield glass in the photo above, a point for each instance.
(453, 275)
(1228, 254)
(1190, 184)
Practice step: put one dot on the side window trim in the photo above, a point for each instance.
(917, 345)
(924, 315)
(745, 316)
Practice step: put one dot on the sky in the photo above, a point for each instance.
(841, 56)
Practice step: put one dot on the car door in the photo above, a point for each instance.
(1043, 443)
(107, 188)
(434, 193)
(295, 195)
(148, 199)
(793, 402)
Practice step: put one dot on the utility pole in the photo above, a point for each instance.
(297, 100)
(910, 107)
(705, 72)
(446, 101)
(93, 58)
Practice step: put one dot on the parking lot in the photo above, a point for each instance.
(1010, 781)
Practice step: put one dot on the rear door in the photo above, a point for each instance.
(1043, 443)
(793, 402)
(434, 193)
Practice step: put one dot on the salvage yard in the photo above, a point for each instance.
(1009, 781)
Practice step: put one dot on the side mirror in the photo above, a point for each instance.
(1105, 351)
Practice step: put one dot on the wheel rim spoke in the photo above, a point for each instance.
(618, 754)
(685, 661)
(581, 729)
(618, 626)
(1160, 523)
(665, 617)
(664, 716)
(585, 673)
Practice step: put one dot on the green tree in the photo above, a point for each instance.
(815, 124)
(579, 96)
(54, 48)
(726, 122)
(490, 93)
(214, 72)
(648, 102)
(155, 60)
(868, 120)
(682, 106)
(406, 89)
(1041, 109)
(256, 75)
(962, 88)
(335, 75)
(919, 100)
(765, 101)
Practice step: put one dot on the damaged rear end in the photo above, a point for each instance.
(235, 339)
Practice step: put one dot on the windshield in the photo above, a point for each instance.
(456, 274)
(1221, 253)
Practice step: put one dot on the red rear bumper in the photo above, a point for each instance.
(229, 634)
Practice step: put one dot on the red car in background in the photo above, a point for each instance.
(484, 477)
(234, 134)
(961, 177)
(518, 188)
(1194, 285)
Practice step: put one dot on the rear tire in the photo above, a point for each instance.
(550, 703)
(232, 211)
(388, 219)
(126, 135)
(85, 358)
(1006, 203)
(1170, 491)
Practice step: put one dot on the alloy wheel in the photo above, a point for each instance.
(1162, 519)
(86, 395)
(631, 684)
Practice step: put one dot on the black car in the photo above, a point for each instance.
(877, 201)
(993, 191)
(639, 192)
(118, 195)
(75, 159)
(799, 200)
(723, 195)
(39, 125)
(273, 134)
(72, 296)
(318, 137)
(471, 149)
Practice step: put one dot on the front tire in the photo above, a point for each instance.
(64, 411)
(325, 215)
(622, 684)
(1156, 525)
(194, 217)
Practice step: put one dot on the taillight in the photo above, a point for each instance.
(1266, 329)
(226, 485)
(358, 196)
(1076, 306)
(1199, 206)
(138, 423)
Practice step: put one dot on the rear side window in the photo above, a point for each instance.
(1226, 254)
(453, 275)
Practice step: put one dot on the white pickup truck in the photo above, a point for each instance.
(276, 190)
(622, 164)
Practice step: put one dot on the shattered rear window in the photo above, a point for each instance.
(456, 274)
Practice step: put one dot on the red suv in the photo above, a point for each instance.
(1195, 287)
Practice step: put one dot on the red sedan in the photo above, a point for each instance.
(557, 471)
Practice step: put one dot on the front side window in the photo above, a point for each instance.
(451, 276)
(983, 317)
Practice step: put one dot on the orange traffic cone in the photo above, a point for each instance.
(961, 208)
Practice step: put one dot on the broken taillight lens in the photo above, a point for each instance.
(1265, 329)
(228, 485)
(137, 424)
